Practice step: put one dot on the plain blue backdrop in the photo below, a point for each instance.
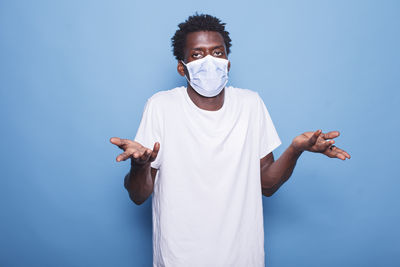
(75, 73)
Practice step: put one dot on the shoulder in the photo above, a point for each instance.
(166, 97)
(246, 96)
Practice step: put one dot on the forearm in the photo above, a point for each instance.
(139, 183)
(278, 172)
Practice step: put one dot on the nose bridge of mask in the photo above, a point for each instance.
(201, 62)
(209, 67)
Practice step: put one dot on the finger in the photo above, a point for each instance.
(145, 155)
(341, 151)
(136, 155)
(336, 152)
(340, 156)
(116, 141)
(123, 156)
(314, 137)
(154, 153)
(331, 135)
(326, 144)
(121, 143)
(332, 153)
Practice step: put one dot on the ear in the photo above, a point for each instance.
(180, 68)
(229, 65)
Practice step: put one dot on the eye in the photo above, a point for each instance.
(196, 55)
(218, 53)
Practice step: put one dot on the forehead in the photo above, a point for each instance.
(204, 39)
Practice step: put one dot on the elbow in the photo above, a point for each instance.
(271, 184)
(268, 192)
(268, 188)
(137, 201)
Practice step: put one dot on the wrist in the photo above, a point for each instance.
(295, 150)
(138, 166)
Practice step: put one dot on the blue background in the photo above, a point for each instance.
(75, 73)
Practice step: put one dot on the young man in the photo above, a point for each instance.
(205, 152)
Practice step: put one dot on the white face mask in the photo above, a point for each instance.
(208, 76)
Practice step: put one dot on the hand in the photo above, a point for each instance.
(320, 143)
(135, 151)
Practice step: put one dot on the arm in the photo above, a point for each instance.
(275, 173)
(139, 182)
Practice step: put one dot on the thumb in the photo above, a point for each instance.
(154, 153)
(314, 137)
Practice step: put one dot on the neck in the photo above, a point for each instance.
(207, 103)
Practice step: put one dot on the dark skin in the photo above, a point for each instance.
(140, 180)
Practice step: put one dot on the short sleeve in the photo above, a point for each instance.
(269, 139)
(149, 131)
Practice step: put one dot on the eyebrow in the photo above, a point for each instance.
(215, 47)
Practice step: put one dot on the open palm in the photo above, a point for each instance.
(320, 142)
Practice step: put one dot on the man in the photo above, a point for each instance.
(205, 152)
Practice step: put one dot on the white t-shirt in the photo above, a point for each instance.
(207, 199)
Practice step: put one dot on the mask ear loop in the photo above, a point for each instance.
(187, 71)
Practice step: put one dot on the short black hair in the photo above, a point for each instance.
(198, 23)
